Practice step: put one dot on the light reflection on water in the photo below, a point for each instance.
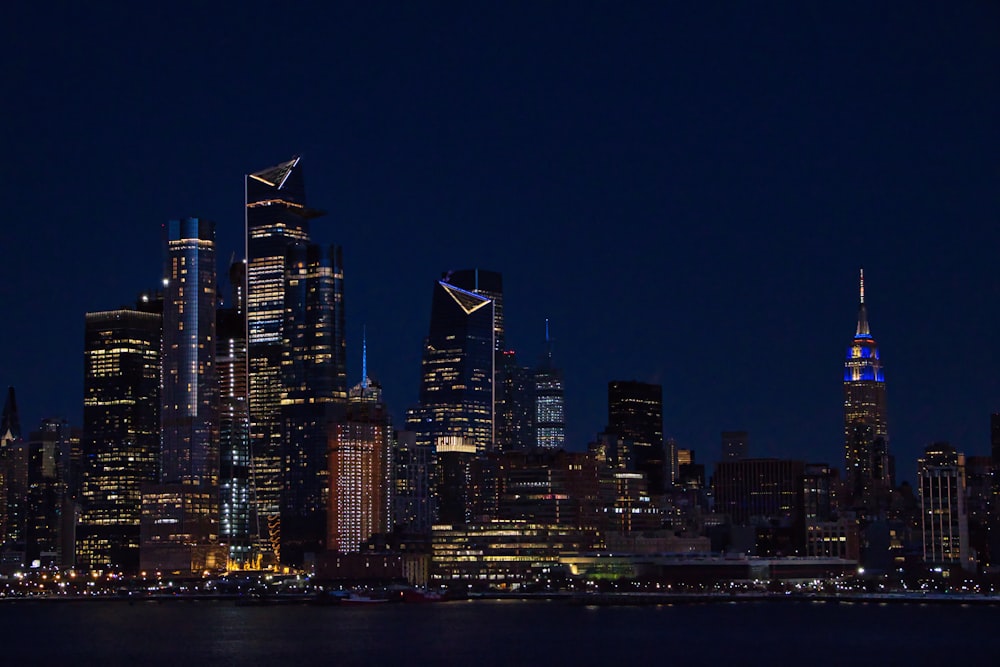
(481, 634)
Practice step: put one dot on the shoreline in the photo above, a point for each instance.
(583, 599)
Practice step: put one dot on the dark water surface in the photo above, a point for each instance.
(485, 633)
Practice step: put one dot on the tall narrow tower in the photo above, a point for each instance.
(297, 361)
(866, 439)
(550, 418)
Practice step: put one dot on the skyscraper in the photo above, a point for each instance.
(276, 218)
(457, 389)
(297, 360)
(866, 439)
(359, 470)
(50, 508)
(550, 416)
(13, 482)
(121, 431)
(180, 519)
(235, 528)
(944, 521)
(635, 414)
(314, 394)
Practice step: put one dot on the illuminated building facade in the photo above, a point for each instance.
(276, 218)
(550, 416)
(314, 394)
(455, 415)
(944, 521)
(189, 420)
(359, 471)
(235, 529)
(180, 518)
(635, 413)
(121, 431)
(297, 361)
(866, 440)
(412, 476)
(502, 554)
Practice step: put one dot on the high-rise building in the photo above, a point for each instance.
(49, 528)
(180, 517)
(314, 395)
(457, 401)
(635, 413)
(735, 445)
(359, 470)
(276, 219)
(515, 404)
(867, 468)
(13, 483)
(121, 431)
(297, 360)
(944, 522)
(235, 529)
(412, 478)
(550, 417)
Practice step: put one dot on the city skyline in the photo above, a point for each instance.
(693, 225)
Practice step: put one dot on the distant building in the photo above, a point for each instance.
(635, 413)
(753, 490)
(235, 528)
(121, 431)
(944, 521)
(550, 411)
(867, 464)
(50, 520)
(13, 484)
(735, 445)
(359, 464)
(456, 389)
(515, 404)
(412, 497)
(297, 361)
(180, 515)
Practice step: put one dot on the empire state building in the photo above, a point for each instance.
(866, 441)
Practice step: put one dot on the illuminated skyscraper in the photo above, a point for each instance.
(189, 418)
(456, 389)
(635, 414)
(276, 218)
(121, 431)
(550, 418)
(314, 393)
(235, 528)
(942, 506)
(297, 360)
(180, 518)
(359, 470)
(866, 439)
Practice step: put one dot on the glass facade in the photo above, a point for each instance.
(121, 431)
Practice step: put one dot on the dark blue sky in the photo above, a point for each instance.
(687, 192)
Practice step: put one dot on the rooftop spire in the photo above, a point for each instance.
(10, 421)
(863, 330)
(364, 356)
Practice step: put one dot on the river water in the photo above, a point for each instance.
(485, 633)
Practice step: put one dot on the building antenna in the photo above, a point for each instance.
(364, 356)
(862, 285)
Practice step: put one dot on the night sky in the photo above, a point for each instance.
(687, 192)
